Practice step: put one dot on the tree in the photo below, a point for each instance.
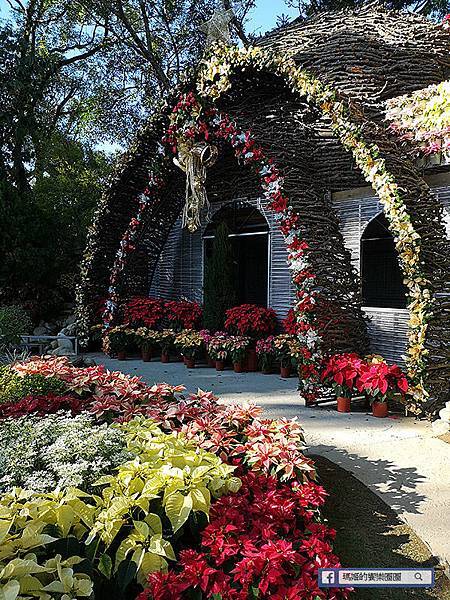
(435, 9)
(44, 230)
(219, 288)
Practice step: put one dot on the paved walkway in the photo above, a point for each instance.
(397, 458)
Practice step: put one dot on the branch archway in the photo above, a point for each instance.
(414, 216)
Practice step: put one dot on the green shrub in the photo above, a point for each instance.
(14, 321)
(14, 387)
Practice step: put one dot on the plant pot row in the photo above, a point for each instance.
(249, 365)
(379, 409)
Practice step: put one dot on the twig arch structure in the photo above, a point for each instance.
(296, 117)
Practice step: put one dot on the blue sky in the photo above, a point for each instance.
(262, 18)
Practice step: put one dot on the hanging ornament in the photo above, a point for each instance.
(194, 162)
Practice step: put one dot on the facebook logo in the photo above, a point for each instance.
(327, 577)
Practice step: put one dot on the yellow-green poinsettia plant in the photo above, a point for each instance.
(67, 543)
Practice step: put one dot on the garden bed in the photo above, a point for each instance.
(137, 491)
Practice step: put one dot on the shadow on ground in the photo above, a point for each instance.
(370, 534)
(397, 484)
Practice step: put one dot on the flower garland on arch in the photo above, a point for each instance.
(127, 245)
(215, 79)
(422, 119)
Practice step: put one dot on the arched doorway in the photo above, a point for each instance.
(381, 276)
(249, 240)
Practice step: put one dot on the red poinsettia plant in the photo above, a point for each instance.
(348, 374)
(144, 312)
(341, 372)
(380, 381)
(250, 320)
(183, 314)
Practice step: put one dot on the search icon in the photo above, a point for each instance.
(418, 576)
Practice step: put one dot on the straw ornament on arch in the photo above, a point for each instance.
(194, 160)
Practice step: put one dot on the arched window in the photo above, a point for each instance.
(382, 279)
(249, 237)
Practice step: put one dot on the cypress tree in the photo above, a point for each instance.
(219, 288)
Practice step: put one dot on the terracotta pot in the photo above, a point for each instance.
(343, 404)
(190, 363)
(165, 358)
(238, 368)
(285, 372)
(252, 360)
(220, 365)
(122, 355)
(380, 409)
(146, 355)
(211, 362)
(266, 371)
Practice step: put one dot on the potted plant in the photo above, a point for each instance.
(218, 349)
(183, 314)
(190, 343)
(381, 382)
(341, 372)
(165, 339)
(144, 312)
(120, 340)
(206, 337)
(237, 349)
(283, 351)
(265, 350)
(252, 321)
(146, 340)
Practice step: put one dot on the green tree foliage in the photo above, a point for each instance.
(44, 229)
(219, 288)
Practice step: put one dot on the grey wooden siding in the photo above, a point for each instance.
(356, 208)
(388, 329)
(179, 273)
(180, 269)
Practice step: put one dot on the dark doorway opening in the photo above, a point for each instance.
(382, 279)
(249, 238)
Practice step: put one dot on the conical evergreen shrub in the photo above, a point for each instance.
(219, 283)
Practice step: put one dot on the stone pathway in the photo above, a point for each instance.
(397, 458)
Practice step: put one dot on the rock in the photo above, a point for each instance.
(89, 362)
(69, 321)
(62, 352)
(65, 344)
(68, 331)
(81, 361)
(40, 330)
(440, 427)
(444, 414)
